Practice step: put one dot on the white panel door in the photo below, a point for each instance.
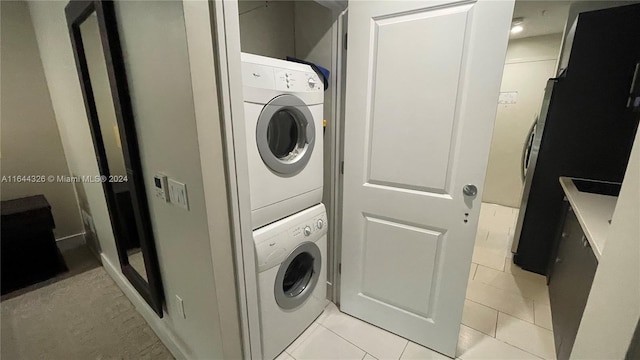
(422, 86)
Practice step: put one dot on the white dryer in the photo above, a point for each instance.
(283, 113)
(292, 288)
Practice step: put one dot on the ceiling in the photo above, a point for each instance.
(540, 17)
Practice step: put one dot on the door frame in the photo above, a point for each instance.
(337, 152)
(226, 38)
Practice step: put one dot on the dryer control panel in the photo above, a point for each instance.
(276, 241)
(280, 75)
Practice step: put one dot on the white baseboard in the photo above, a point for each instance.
(158, 326)
(70, 242)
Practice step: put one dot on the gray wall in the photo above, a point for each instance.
(267, 28)
(30, 139)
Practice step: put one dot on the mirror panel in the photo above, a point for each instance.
(94, 36)
(111, 139)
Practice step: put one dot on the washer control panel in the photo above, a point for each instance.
(298, 81)
(308, 228)
(274, 243)
(283, 79)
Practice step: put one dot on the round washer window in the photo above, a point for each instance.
(298, 276)
(285, 135)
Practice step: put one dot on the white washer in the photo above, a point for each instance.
(292, 288)
(283, 113)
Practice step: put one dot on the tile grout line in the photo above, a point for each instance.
(473, 301)
(499, 310)
(347, 340)
(305, 338)
(515, 276)
(514, 316)
(534, 312)
(505, 290)
(509, 291)
(515, 346)
(405, 348)
(496, 310)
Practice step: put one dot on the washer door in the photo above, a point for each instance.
(285, 134)
(298, 276)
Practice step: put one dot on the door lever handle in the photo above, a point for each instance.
(470, 190)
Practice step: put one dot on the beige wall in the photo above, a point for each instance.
(613, 307)
(68, 105)
(160, 74)
(30, 140)
(153, 37)
(530, 62)
(267, 28)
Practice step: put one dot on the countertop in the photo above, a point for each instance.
(593, 212)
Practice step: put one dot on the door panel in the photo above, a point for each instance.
(422, 89)
(414, 124)
(406, 285)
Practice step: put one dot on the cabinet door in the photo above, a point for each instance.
(570, 284)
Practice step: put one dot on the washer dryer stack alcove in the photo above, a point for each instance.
(283, 103)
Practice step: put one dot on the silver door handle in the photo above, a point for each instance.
(470, 190)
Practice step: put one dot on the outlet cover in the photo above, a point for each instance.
(181, 307)
(87, 221)
(178, 194)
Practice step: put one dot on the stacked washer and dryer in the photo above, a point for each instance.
(283, 104)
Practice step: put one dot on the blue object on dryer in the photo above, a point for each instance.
(322, 72)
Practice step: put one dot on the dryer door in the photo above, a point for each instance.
(285, 135)
(298, 275)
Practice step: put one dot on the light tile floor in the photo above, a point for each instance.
(506, 313)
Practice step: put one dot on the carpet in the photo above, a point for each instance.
(83, 317)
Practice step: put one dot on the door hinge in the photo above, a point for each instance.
(342, 167)
(345, 41)
(340, 268)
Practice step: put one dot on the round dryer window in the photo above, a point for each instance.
(298, 276)
(285, 134)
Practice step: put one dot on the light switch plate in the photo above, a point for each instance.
(178, 194)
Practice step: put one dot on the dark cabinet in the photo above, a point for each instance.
(570, 277)
(29, 251)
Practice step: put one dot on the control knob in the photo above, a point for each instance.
(312, 83)
(319, 223)
(307, 231)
